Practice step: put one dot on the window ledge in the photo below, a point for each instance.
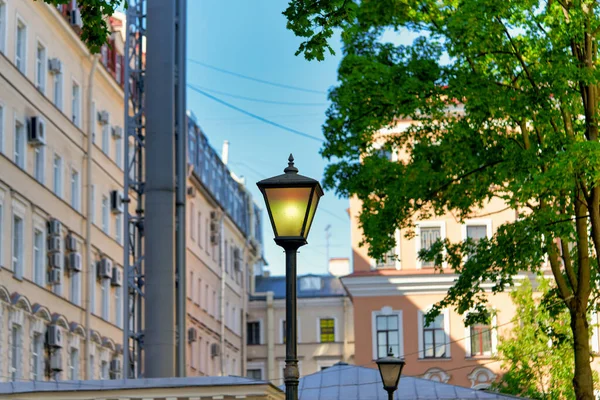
(435, 359)
(476, 358)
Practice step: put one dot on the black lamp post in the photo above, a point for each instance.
(291, 201)
(390, 369)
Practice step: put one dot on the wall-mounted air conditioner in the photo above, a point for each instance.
(214, 350)
(56, 364)
(117, 132)
(116, 201)
(115, 365)
(191, 191)
(105, 268)
(54, 244)
(55, 260)
(54, 276)
(117, 277)
(71, 243)
(54, 66)
(36, 131)
(74, 262)
(75, 18)
(192, 335)
(103, 117)
(55, 336)
(54, 227)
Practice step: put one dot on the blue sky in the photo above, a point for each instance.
(250, 38)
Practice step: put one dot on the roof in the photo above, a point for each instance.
(331, 286)
(350, 382)
(70, 386)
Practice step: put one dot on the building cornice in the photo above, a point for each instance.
(389, 285)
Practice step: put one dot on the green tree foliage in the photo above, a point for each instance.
(93, 15)
(526, 72)
(538, 354)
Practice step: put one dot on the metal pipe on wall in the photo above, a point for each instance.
(91, 279)
(181, 174)
(159, 300)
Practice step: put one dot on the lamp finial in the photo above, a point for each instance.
(291, 169)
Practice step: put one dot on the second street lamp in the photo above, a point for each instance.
(291, 201)
(390, 369)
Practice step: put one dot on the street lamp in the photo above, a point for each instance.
(291, 201)
(390, 369)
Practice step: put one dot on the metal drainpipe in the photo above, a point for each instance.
(222, 295)
(88, 216)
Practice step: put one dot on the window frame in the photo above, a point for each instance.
(76, 105)
(105, 140)
(57, 175)
(58, 91)
(446, 329)
(18, 264)
(494, 338)
(39, 163)
(105, 204)
(37, 356)
(397, 253)
(75, 288)
(41, 85)
(22, 151)
(319, 332)
(23, 68)
(3, 25)
(16, 363)
(387, 311)
(74, 366)
(75, 194)
(259, 322)
(41, 279)
(105, 309)
(428, 224)
(2, 125)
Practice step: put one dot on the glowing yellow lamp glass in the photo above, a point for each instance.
(288, 209)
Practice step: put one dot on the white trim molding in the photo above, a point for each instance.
(486, 221)
(436, 375)
(417, 239)
(481, 378)
(256, 365)
(386, 311)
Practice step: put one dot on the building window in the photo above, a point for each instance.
(434, 338)
(93, 289)
(198, 299)
(254, 374)
(39, 267)
(58, 90)
(481, 340)
(388, 335)
(119, 306)
(17, 261)
(118, 68)
(389, 259)
(106, 299)
(38, 168)
(119, 228)
(104, 370)
(283, 331)
(1, 112)
(37, 356)
(119, 152)
(253, 332)
(199, 228)
(105, 214)
(192, 222)
(215, 305)
(93, 202)
(104, 55)
(106, 137)
(19, 144)
(74, 364)
(92, 367)
(15, 362)
(2, 26)
(310, 283)
(327, 330)
(21, 47)
(428, 234)
(76, 105)
(75, 190)
(76, 288)
(476, 232)
(191, 287)
(40, 68)
(57, 172)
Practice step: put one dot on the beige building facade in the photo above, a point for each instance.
(325, 326)
(54, 268)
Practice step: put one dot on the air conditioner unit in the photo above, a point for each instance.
(117, 132)
(55, 336)
(191, 191)
(192, 335)
(54, 66)
(116, 201)
(56, 362)
(54, 277)
(115, 365)
(54, 244)
(55, 260)
(105, 269)
(214, 228)
(103, 117)
(75, 18)
(117, 277)
(75, 262)
(237, 260)
(214, 350)
(54, 227)
(71, 243)
(37, 131)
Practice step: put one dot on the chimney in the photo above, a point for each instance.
(339, 266)
(225, 152)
